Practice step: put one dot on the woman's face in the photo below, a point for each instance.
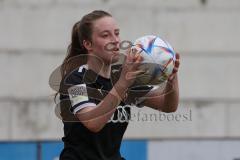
(105, 40)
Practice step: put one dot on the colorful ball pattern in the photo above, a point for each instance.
(158, 59)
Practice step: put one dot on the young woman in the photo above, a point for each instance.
(98, 104)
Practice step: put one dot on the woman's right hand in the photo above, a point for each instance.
(130, 69)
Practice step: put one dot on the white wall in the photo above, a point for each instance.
(35, 34)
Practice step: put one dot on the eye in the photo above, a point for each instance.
(104, 35)
(117, 33)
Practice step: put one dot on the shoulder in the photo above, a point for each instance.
(75, 77)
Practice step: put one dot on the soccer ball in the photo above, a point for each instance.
(158, 60)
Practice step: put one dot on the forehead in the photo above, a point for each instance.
(105, 23)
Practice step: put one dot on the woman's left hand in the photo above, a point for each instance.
(176, 67)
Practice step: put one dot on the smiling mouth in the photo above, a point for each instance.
(115, 50)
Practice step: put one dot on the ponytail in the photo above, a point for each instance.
(74, 52)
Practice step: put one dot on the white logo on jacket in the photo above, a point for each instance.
(121, 115)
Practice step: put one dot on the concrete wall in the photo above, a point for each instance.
(35, 35)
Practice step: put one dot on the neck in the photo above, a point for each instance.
(99, 67)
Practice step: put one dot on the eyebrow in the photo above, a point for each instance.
(109, 31)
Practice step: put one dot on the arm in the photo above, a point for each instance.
(167, 100)
(95, 118)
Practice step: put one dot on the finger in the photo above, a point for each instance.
(177, 56)
(129, 57)
(137, 63)
(177, 63)
(139, 72)
(128, 51)
(133, 52)
(136, 53)
(139, 58)
(171, 77)
(135, 57)
(175, 70)
(134, 74)
(129, 76)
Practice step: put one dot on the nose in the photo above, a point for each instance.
(115, 39)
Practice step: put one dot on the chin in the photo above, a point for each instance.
(114, 61)
(111, 60)
(115, 58)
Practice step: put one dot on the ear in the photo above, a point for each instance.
(87, 44)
